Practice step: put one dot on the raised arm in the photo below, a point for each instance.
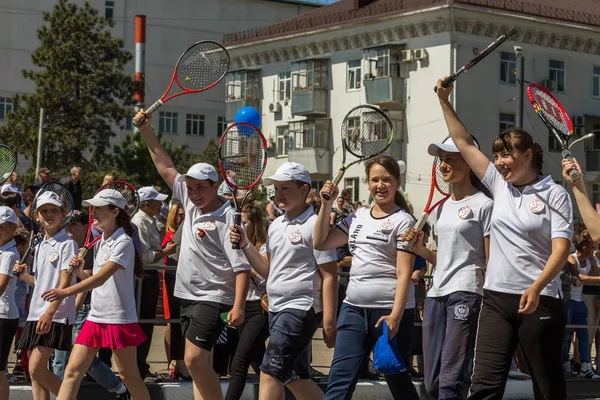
(590, 217)
(163, 162)
(478, 161)
(325, 238)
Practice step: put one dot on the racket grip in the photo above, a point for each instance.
(336, 179)
(149, 110)
(406, 244)
(237, 220)
(446, 82)
(82, 252)
(574, 173)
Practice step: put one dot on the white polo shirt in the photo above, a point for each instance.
(374, 244)
(576, 292)
(294, 277)
(114, 301)
(461, 227)
(8, 257)
(257, 286)
(51, 257)
(149, 238)
(207, 264)
(522, 228)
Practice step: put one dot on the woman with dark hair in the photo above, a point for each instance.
(13, 200)
(380, 287)
(530, 234)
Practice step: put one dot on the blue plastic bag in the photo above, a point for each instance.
(386, 357)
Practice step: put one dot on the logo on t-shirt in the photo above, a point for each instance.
(295, 237)
(461, 312)
(53, 257)
(464, 212)
(383, 233)
(387, 227)
(107, 255)
(536, 206)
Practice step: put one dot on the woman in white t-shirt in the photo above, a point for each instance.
(380, 287)
(530, 234)
(454, 298)
(112, 321)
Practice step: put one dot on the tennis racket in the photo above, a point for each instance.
(242, 161)
(482, 54)
(199, 68)
(37, 230)
(8, 163)
(554, 116)
(366, 132)
(132, 200)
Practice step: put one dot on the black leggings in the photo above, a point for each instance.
(250, 349)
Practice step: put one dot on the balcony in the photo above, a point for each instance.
(387, 92)
(592, 161)
(310, 102)
(315, 159)
(232, 107)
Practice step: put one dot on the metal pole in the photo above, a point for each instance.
(520, 72)
(38, 164)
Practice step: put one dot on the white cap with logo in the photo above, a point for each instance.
(447, 145)
(147, 193)
(106, 197)
(7, 215)
(201, 171)
(48, 197)
(289, 171)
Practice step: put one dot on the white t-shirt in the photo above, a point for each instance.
(114, 301)
(522, 228)
(576, 292)
(207, 264)
(374, 244)
(51, 257)
(461, 227)
(294, 277)
(257, 286)
(8, 257)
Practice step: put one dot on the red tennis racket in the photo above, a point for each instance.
(131, 198)
(199, 68)
(554, 116)
(242, 161)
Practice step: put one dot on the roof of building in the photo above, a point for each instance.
(581, 12)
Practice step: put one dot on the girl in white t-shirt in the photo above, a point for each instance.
(9, 314)
(112, 321)
(454, 298)
(530, 234)
(48, 324)
(380, 287)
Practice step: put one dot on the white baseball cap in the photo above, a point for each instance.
(201, 171)
(7, 215)
(447, 145)
(147, 193)
(48, 197)
(107, 197)
(289, 171)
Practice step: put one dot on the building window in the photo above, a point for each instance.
(508, 65)
(317, 185)
(167, 122)
(285, 85)
(6, 107)
(308, 134)
(128, 123)
(354, 75)
(595, 194)
(596, 139)
(596, 82)
(384, 62)
(243, 85)
(352, 185)
(109, 10)
(309, 75)
(507, 121)
(282, 140)
(557, 74)
(194, 124)
(221, 126)
(553, 143)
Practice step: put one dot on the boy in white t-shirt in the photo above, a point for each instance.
(212, 278)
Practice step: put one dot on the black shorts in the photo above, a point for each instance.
(59, 337)
(8, 328)
(201, 322)
(291, 330)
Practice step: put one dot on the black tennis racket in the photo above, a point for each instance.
(199, 68)
(8, 163)
(242, 161)
(366, 132)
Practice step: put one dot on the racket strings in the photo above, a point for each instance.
(243, 156)
(442, 186)
(551, 110)
(202, 65)
(129, 193)
(366, 131)
(65, 198)
(8, 162)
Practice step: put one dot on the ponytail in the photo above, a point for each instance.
(124, 222)
(477, 184)
(537, 158)
(401, 202)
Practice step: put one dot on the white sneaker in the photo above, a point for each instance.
(587, 371)
(567, 367)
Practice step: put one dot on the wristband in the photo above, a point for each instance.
(246, 246)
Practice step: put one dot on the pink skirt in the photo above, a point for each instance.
(113, 336)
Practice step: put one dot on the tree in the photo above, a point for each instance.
(79, 81)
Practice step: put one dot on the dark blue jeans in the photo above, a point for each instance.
(356, 336)
(577, 315)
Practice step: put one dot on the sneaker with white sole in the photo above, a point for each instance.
(587, 371)
(567, 367)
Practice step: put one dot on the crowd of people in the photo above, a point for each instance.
(509, 271)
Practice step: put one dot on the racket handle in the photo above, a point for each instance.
(149, 110)
(336, 179)
(406, 244)
(237, 221)
(82, 252)
(574, 173)
(446, 82)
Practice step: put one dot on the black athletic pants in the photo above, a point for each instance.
(149, 302)
(539, 335)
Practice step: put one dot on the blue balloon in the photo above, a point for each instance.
(248, 115)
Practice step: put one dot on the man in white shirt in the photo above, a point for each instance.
(152, 254)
